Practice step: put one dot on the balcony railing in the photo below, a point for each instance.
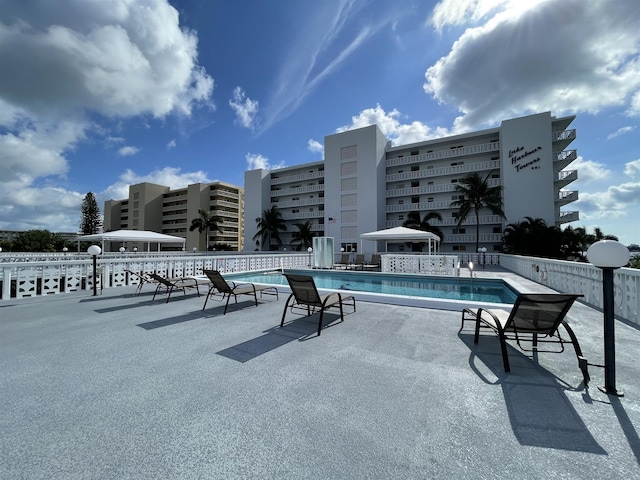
(296, 191)
(428, 189)
(302, 177)
(566, 217)
(442, 171)
(450, 153)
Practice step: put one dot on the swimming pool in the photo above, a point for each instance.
(383, 286)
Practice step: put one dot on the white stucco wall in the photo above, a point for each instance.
(527, 168)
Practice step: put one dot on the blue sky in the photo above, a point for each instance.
(98, 95)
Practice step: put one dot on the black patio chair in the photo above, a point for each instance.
(535, 318)
(172, 284)
(305, 295)
(228, 289)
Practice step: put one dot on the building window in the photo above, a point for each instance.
(415, 184)
(497, 229)
(415, 199)
(415, 152)
(349, 216)
(349, 200)
(349, 168)
(348, 152)
(415, 168)
(349, 183)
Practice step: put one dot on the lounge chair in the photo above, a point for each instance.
(305, 295)
(359, 262)
(535, 318)
(172, 284)
(140, 279)
(228, 289)
(374, 263)
(344, 261)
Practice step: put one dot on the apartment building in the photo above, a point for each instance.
(157, 208)
(365, 184)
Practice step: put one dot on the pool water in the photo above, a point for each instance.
(478, 289)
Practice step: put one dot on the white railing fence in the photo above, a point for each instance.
(44, 274)
(38, 278)
(584, 278)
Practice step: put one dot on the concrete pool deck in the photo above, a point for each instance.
(117, 386)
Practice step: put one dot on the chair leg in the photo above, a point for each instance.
(476, 335)
(320, 321)
(583, 365)
(156, 292)
(284, 313)
(503, 347)
(227, 304)
(207, 298)
(169, 293)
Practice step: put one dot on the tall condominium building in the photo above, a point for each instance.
(365, 184)
(159, 209)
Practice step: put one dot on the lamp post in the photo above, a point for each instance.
(309, 250)
(135, 249)
(94, 251)
(608, 255)
(121, 249)
(482, 258)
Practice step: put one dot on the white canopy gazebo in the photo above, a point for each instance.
(132, 236)
(403, 234)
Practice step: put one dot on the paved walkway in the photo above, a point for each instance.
(117, 386)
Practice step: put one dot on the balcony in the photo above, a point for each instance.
(444, 154)
(444, 171)
(297, 191)
(566, 217)
(303, 177)
(429, 189)
(565, 177)
(564, 158)
(299, 203)
(410, 207)
(565, 197)
(302, 215)
(563, 138)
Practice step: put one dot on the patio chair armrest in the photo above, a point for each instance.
(494, 323)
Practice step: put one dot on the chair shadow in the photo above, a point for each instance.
(540, 413)
(300, 329)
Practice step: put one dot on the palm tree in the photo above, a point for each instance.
(206, 223)
(413, 221)
(269, 226)
(304, 235)
(476, 194)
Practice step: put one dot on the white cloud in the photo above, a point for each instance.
(315, 146)
(389, 124)
(533, 48)
(86, 61)
(245, 108)
(632, 168)
(617, 201)
(255, 161)
(128, 151)
(171, 144)
(621, 131)
(588, 170)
